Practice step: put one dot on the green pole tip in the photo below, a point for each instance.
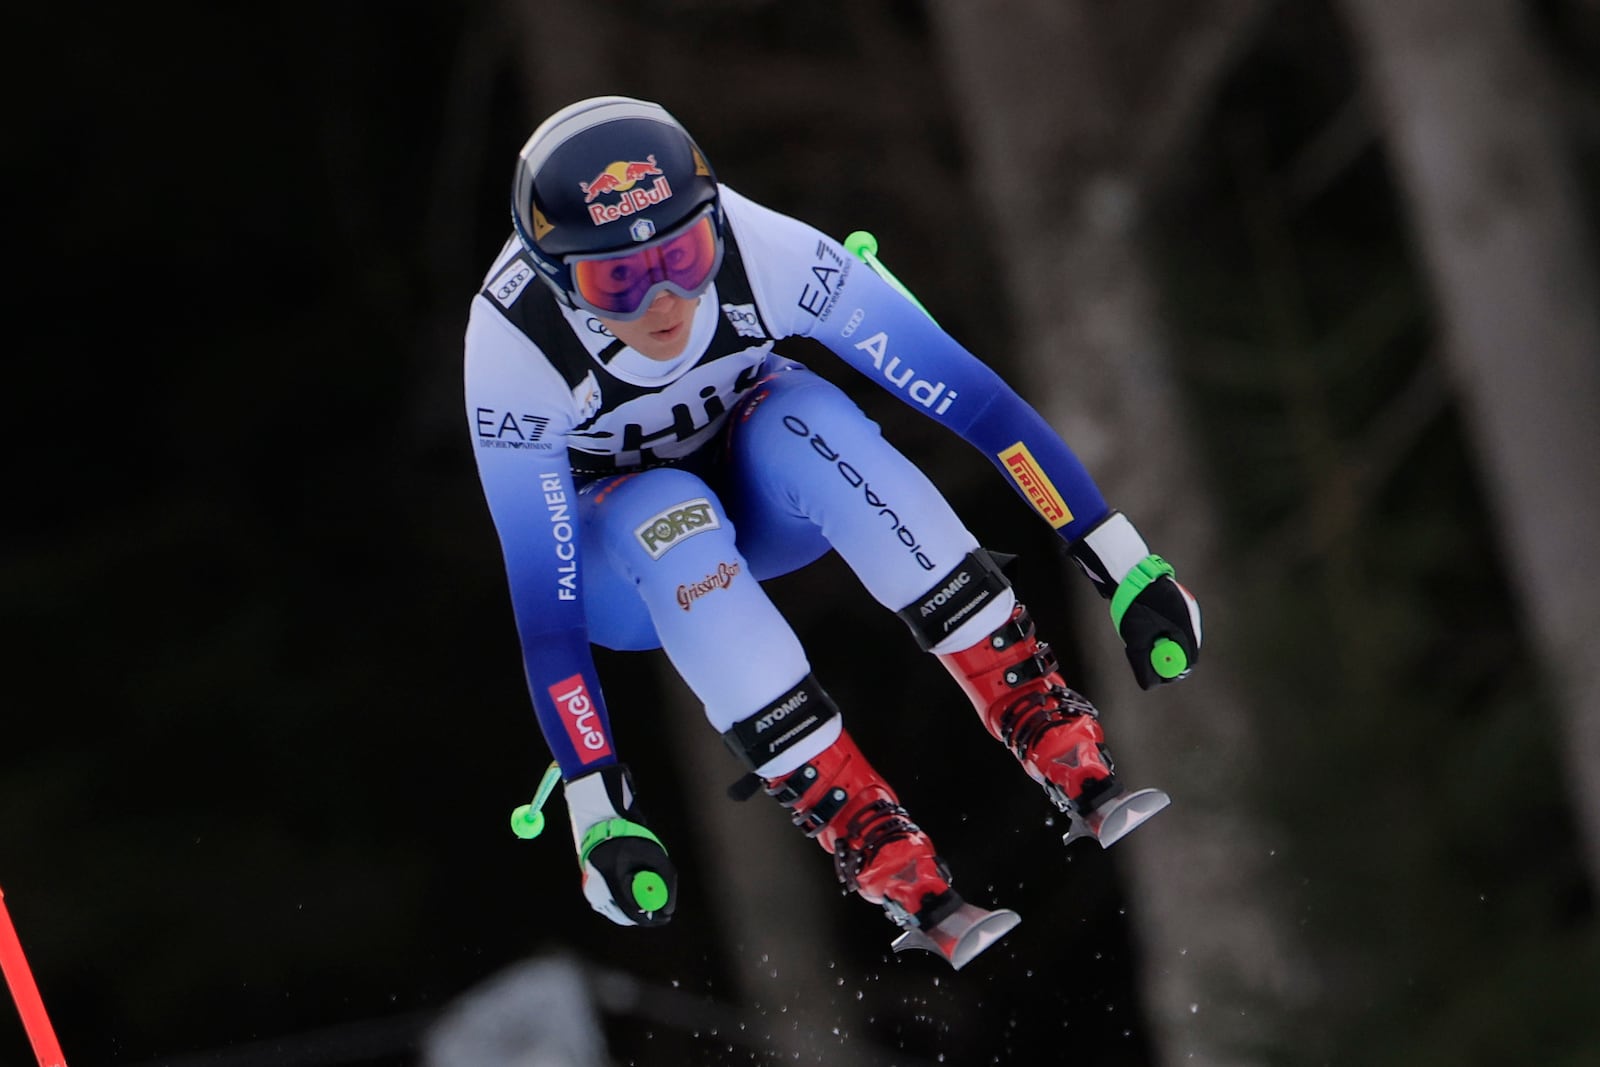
(861, 244)
(649, 891)
(1168, 658)
(526, 822)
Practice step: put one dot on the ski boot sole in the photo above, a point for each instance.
(960, 936)
(1117, 818)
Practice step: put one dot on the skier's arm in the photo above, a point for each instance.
(858, 315)
(1157, 619)
(519, 410)
(519, 440)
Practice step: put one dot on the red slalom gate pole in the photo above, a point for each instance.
(23, 990)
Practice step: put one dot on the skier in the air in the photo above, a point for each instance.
(649, 460)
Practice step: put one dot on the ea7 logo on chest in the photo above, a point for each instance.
(679, 522)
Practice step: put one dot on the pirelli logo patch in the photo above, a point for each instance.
(1035, 485)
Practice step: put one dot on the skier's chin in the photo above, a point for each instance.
(661, 333)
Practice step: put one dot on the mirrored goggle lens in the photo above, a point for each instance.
(618, 285)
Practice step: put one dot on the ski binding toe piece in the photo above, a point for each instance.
(961, 935)
(1114, 819)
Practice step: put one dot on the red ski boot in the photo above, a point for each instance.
(1011, 677)
(879, 853)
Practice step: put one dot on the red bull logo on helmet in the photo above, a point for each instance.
(624, 177)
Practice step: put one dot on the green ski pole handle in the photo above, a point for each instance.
(649, 891)
(527, 821)
(1168, 659)
(864, 247)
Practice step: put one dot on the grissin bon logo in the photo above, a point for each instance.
(688, 594)
(624, 176)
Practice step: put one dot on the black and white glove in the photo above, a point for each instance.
(627, 876)
(1157, 619)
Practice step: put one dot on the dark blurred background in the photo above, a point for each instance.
(1310, 285)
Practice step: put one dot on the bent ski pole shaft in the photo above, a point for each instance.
(864, 247)
(23, 990)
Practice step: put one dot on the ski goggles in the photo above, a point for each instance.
(621, 285)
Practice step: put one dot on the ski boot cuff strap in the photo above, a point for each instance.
(782, 724)
(975, 582)
(1147, 570)
(1109, 552)
(613, 828)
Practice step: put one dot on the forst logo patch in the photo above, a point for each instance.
(1036, 485)
(676, 524)
(623, 177)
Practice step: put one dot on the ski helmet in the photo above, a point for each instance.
(615, 202)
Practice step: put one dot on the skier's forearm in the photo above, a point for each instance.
(1038, 465)
(535, 512)
(567, 700)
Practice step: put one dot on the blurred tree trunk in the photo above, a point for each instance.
(1472, 126)
(1071, 111)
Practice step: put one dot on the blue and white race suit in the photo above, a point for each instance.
(640, 504)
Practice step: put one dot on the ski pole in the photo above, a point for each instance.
(864, 247)
(26, 994)
(527, 822)
(1167, 657)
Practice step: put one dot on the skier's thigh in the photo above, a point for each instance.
(628, 522)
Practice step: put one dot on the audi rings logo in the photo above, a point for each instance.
(672, 526)
(509, 283)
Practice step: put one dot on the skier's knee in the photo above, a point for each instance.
(657, 510)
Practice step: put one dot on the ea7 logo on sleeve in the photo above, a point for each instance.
(673, 526)
(581, 718)
(1036, 485)
(509, 283)
(505, 429)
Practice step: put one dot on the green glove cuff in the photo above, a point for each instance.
(1147, 570)
(609, 828)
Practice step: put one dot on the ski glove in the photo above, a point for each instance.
(627, 876)
(1157, 619)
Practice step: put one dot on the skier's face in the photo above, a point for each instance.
(662, 331)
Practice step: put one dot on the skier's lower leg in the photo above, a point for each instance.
(835, 796)
(797, 751)
(878, 852)
(1012, 679)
